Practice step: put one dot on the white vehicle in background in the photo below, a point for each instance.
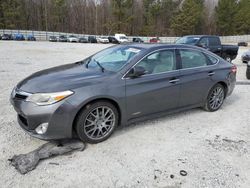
(122, 38)
(103, 40)
(72, 38)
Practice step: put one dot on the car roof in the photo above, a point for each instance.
(159, 46)
(199, 36)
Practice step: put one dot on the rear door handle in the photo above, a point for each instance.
(173, 81)
(211, 73)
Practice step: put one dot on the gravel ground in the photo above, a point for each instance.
(213, 148)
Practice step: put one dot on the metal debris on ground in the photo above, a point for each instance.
(28, 162)
(183, 173)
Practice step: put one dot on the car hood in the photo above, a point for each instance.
(61, 78)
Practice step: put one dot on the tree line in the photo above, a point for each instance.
(133, 17)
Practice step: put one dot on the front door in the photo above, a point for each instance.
(156, 91)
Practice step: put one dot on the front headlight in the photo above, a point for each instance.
(48, 98)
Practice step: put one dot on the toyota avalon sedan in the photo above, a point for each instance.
(120, 85)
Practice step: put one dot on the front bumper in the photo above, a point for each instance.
(245, 58)
(59, 116)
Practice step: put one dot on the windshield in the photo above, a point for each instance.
(187, 40)
(113, 59)
(122, 37)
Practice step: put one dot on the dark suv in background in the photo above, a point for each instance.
(211, 43)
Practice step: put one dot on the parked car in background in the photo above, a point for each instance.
(155, 40)
(7, 37)
(122, 38)
(120, 85)
(242, 43)
(92, 39)
(19, 36)
(31, 38)
(72, 38)
(211, 43)
(62, 38)
(52, 39)
(137, 39)
(113, 40)
(103, 40)
(248, 71)
(83, 40)
(245, 57)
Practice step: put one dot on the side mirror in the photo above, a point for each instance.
(137, 71)
(202, 45)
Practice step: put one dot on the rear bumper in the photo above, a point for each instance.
(231, 83)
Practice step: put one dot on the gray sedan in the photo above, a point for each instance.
(120, 85)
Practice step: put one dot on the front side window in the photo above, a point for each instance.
(187, 40)
(204, 42)
(192, 59)
(214, 41)
(114, 58)
(159, 62)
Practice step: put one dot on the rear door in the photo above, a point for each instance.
(195, 75)
(156, 91)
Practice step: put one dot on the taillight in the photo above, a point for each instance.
(234, 69)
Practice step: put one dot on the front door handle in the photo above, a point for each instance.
(173, 81)
(211, 73)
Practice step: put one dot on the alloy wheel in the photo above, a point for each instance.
(99, 122)
(216, 98)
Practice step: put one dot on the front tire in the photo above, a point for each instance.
(215, 98)
(96, 122)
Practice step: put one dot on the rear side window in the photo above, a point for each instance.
(192, 59)
(214, 41)
(212, 59)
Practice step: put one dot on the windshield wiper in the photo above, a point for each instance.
(97, 62)
(87, 63)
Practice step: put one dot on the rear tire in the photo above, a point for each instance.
(228, 58)
(215, 98)
(96, 122)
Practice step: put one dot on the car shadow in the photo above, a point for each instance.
(120, 130)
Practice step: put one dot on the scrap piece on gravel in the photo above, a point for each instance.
(183, 173)
(27, 162)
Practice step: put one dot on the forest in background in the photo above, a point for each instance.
(133, 17)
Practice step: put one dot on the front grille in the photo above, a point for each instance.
(23, 120)
(20, 96)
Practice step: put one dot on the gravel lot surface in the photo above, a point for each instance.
(213, 148)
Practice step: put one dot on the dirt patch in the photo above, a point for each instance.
(226, 144)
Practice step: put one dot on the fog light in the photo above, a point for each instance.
(41, 129)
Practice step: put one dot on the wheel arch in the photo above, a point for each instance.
(225, 87)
